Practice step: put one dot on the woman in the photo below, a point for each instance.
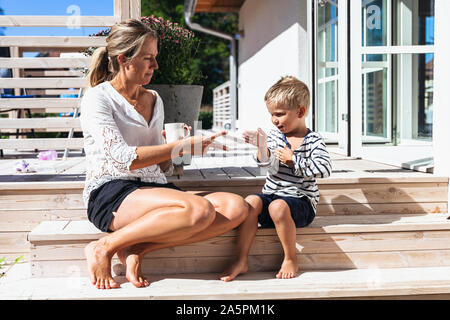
(126, 192)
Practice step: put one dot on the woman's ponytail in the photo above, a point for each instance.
(99, 69)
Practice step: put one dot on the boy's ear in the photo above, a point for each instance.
(301, 111)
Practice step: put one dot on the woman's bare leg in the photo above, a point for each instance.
(147, 215)
(246, 234)
(231, 210)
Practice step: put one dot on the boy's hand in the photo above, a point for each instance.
(285, 156)
(259, 139)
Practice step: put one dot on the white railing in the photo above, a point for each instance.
(222, 106)
(47, 78)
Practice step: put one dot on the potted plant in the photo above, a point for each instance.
(176, 77)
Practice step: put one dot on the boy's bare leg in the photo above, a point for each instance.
(286, 230)
(246, 234)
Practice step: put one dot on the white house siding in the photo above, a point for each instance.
(275, 43)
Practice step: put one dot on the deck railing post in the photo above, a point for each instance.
(126, 9)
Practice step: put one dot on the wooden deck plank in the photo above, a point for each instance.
(77, 167)
(43, 185)
(237, 172)
(382, 193)
(78, 230)
(39, 201)
(13, 242)
(337, 180)
(27, 220)
(214, 174)
(338, 284)
(257, 263)
(270, 246)
(381, 208)
(308, 260)
(190, 174)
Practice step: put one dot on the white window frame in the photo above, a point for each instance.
(329, 137)
(409, 151)
(341, 65)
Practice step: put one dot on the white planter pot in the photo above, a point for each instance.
(181, 104)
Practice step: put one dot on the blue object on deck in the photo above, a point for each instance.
(14, 96)
(68, 114)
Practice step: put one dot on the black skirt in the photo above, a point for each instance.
(107, 198)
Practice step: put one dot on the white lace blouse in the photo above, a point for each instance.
(112, 130)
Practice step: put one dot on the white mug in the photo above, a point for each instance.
(176, 131)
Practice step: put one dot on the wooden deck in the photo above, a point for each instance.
(394, 283)
(373, 220)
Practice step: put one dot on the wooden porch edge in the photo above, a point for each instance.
(35, 185)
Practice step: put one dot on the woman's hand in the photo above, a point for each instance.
(198, 145)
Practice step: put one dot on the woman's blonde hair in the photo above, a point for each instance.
(125, 38)
(290, 92)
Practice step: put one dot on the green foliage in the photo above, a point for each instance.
(177, 48)
(2, 263)
(212, 57)
(206, 118)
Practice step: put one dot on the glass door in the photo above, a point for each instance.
(376, 73)
(331, 113)
(391, 89)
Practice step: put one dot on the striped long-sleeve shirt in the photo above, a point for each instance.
(311, 161)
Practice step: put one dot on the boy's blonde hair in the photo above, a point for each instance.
(289, 91)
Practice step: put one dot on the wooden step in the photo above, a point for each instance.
(330, 242)
(337, 195)
(392, 283)
(32, 199)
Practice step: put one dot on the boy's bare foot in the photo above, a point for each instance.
(288, 269)
(238, 267)
(99, 265)
(132, 262)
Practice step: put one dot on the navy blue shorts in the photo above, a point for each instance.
(107, 198)
(302, 211)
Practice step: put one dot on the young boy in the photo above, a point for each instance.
(296, 156)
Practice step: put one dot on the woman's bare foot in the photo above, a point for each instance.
(99, 265)
(132, 262)
(238, 267)
(288, 269)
